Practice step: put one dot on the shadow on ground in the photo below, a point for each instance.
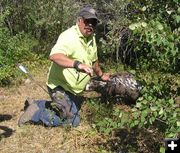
(124, 140)
(7, 132)
(5, 117)
(137, 140)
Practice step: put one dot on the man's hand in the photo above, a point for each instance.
(105, 77)
(85, 68)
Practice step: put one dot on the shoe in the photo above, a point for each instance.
(28, 114)
(28, 102)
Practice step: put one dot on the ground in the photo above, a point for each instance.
(39, 139)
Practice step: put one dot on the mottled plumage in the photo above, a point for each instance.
(122, 85)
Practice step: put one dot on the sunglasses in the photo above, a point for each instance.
(91, 22)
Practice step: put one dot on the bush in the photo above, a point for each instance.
(157, 46)
(13, 49)
(156, 34)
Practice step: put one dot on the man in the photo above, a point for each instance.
(74, 61)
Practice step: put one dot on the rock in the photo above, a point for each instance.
(27, 81)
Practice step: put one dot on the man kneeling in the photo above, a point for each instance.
(59, 112)
(74, 60)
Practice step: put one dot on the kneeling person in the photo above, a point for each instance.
(74, 60)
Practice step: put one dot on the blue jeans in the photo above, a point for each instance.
(50, 118)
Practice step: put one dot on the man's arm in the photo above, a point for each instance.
(64, 61)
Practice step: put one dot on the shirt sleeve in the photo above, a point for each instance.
(61, 46)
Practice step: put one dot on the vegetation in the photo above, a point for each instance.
(139, 36)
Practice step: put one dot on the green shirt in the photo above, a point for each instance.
(77, 47)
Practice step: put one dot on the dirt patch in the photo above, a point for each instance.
(37, 138)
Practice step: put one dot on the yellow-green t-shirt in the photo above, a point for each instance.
(74, 45)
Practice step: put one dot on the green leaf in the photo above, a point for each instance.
(155, 114)
(177, 18)
(144, 24)
(153, 108)
(142, 119)
(145, 101)
(132, 125)
(162, 150)
(150, 98)
(138, 105)
(136, 122)
(171, 101)
(174, 115)
(140, 125)
(144, 113)
(136, 115)
(161, 111)
(178, 10)
(151, 120)
(120, 115)
(134, 109)
(93, 126)
(132, 71)
(132, 26)
(170, 135)
(160, 26)
(143, 8)
(169, 12)
(140, 98)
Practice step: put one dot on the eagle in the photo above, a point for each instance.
(121, 86)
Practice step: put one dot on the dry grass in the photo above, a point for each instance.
(37, 138)
(83, 139)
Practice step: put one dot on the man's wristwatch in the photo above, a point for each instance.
(76, 64)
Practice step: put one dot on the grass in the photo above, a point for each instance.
(83, 139)
(36, 138)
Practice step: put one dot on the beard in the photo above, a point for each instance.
(88, 31)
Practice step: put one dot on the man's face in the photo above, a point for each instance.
(87, 26)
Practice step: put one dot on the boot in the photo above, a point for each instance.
(28, 102)
(28, 114)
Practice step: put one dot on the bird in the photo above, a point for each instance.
(121, 86)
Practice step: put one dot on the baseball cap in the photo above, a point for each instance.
(88, 13)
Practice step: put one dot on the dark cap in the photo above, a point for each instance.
(88, 13)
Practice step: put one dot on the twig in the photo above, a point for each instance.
(161, 120)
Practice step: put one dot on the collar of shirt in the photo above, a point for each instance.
(88, 39)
